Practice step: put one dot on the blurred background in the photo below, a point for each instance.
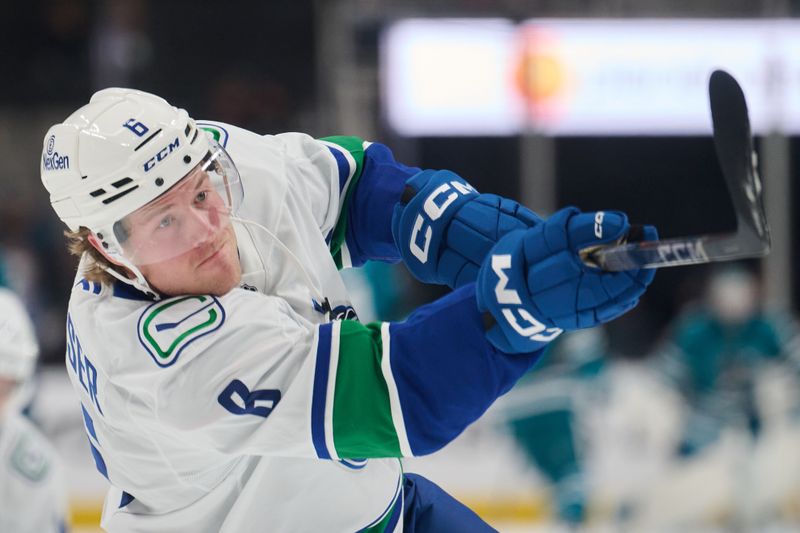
(682, 415)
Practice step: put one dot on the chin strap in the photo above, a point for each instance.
(139, 283)
(113, 250)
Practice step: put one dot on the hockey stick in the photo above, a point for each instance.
(738, 160)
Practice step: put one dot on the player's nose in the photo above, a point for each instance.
(204, 224)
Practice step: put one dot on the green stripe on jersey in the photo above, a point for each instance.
(362, 415)
(355, 146)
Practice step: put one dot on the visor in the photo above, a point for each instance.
(191, 215)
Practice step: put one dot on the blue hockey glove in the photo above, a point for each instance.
(444, 228)
(535, 285)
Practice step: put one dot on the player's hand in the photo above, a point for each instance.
(444, 228)
(535, 285)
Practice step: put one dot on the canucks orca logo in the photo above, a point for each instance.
(169, 326)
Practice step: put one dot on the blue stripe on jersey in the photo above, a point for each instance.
(395, 507)
(343, 165)
(125, 500)
(98, 461)
(89, 423)
(129, 292)
(396, 512)
(320, 390)
(447, 374)
(369, 224)
(353, 464)
(90, 286)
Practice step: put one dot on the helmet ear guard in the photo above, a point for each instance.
(117, 259)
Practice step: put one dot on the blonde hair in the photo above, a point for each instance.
(95, 266)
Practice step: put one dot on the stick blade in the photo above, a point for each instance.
(733, 142)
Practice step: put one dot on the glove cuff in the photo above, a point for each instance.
(420, 219)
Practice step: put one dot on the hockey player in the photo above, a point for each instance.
(225, 382)
(31, 491)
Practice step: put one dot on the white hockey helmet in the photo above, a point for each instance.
(18, 347)
(121, 151)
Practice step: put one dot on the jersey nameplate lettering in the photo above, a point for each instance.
(169, 326)
(80, 364)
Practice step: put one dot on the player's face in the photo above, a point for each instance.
(184, 240)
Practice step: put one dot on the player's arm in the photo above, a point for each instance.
(351, 186)
(371, 183)
(270, 384)
(409, 388)
(393, 389)
(434, 221)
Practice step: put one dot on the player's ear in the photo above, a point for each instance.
(93, 240)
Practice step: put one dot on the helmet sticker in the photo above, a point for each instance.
(51, 159)
(139, 129)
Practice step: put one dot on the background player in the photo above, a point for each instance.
(32, 498)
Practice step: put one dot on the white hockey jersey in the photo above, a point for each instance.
(32, 498)
(198, 409)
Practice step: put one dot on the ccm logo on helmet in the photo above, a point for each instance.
(51, 159)
(162, 154)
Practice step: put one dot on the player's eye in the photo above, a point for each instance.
(201, 197)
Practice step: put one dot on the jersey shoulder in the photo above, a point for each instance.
(120, 331)
(247, 148)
